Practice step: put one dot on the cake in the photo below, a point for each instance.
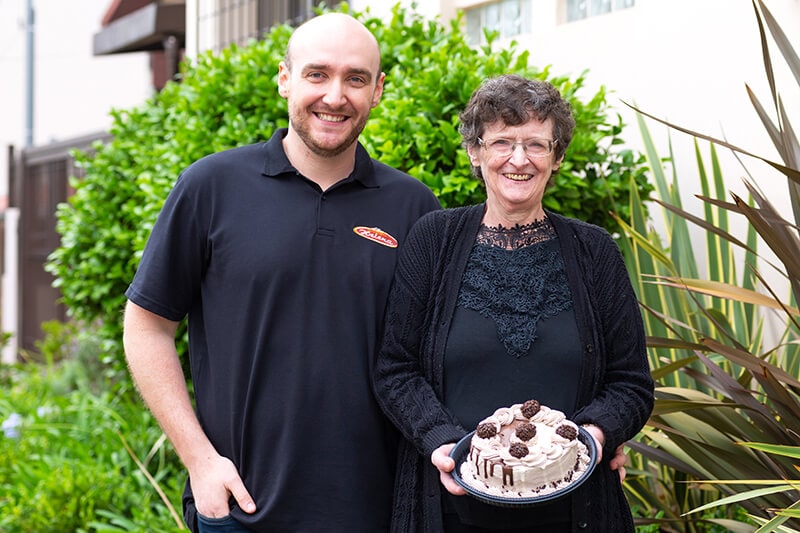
(524, 451)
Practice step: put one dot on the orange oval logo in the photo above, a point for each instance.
(376, 235)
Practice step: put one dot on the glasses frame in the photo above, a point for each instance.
(490, 147)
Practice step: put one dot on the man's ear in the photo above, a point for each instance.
(376, 95)
(283, 79)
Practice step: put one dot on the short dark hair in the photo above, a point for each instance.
(515, 100)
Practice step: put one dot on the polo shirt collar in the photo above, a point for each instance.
(277, 163)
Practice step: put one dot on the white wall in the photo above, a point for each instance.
(73, 90)
(686, 61)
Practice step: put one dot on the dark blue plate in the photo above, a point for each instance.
(460, 453)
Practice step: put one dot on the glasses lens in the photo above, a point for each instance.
(532, 147)
(538, 147)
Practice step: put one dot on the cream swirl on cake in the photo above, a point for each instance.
(524, 451)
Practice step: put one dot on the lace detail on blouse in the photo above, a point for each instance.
(518, 236)
(516, 277)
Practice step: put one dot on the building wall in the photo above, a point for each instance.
(73, 91)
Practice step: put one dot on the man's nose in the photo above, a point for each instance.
(334, 96)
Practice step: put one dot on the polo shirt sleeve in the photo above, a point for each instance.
(170, 272)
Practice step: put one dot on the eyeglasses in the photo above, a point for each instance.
(531, 147)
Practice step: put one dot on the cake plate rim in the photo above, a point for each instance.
(461, 450)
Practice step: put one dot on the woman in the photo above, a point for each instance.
(503, 302)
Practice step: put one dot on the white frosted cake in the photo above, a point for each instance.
(525, 451)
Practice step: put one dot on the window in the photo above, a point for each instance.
(222, 22)
(581, 9)
(508, 18)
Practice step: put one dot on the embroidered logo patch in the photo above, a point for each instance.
(376, 235)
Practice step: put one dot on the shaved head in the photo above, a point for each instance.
(336, 28)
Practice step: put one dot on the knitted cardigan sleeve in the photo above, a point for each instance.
(402, 376)
(623, 388)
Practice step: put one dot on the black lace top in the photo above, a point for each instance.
(515, 283)
(513, 335)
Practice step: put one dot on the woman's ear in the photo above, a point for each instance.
(474, 160)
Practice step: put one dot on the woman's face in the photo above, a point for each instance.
(515, 183)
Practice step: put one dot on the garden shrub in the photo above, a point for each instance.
(63, 464)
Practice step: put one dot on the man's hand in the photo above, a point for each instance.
(444, 463)
(214, 484)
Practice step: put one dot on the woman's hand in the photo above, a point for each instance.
(444, 464)
(618, 462)
(599, 439)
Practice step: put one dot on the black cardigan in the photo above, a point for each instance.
(615, 389)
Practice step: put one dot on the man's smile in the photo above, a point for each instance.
(331, 118)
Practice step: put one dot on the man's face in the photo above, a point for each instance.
(331, 86)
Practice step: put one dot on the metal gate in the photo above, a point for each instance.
(39, 181)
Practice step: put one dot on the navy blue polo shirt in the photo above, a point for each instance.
(284, 286)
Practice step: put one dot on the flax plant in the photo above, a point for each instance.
(721, 450)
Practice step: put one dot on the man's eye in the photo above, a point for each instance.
(315, 75)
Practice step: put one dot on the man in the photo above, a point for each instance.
(281, 254)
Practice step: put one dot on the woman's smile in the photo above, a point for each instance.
(518, 177)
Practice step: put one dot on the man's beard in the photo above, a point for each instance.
(300, 126)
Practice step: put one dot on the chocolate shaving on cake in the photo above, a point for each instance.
(486, 430)
(526, 431)
(568, 432)
(518, 450)
(530, 408)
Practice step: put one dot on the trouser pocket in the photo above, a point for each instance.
(223, 524)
